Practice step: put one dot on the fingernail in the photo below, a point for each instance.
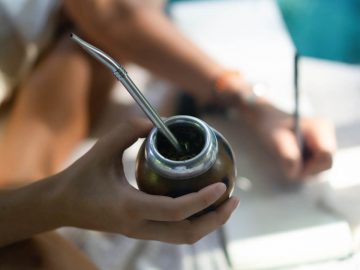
(220, 189)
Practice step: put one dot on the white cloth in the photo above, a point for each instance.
(116, 252)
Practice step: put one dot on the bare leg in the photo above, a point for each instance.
(51, 114)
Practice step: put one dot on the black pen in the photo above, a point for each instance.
(304, 150)
(297, 128)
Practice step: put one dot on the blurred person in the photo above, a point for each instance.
(58, 99)
(138, 31)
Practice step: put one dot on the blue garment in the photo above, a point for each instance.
(328, 29)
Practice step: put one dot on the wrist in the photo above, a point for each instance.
(233, 90)
(29, 210)
(54, 199)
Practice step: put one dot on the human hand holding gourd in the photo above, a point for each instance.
(104, 200)
(94, 193)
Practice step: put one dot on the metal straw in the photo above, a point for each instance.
(121, 74)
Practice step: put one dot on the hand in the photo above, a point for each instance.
(276, 129)
(97, 196)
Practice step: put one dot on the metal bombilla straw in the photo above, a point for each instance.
(121, 74)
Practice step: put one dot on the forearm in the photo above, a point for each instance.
(29, 210)
(161, 48)
(145, 36)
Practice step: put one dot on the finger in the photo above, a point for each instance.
(163, 208)
(286, 147)
(190, 231)
(320, 139)
(125, 135)
(320, 134)
(317, 164)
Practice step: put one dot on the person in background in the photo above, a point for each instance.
(139, 31)
(58, 100)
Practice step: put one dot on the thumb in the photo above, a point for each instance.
(321, 140)
(286, 147)
(124, 135)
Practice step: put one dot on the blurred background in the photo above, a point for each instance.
(327, 29)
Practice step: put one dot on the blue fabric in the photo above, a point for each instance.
(328, 29)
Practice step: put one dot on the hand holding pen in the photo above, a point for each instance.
(303, 145)
(312, 135)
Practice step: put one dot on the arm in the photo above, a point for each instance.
(29, 210)
(94, 194)
(131, 30)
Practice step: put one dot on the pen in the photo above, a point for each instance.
(297, 128)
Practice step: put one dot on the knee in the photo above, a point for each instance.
(45, 251)
(23, 255)
(57, 90)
